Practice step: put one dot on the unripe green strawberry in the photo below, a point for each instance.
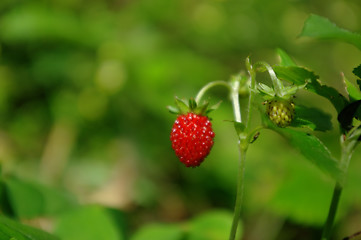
(281, 112)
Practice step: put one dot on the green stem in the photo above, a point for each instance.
(252, 74)
(348, 145)
(208, 86)
(235, 100)
(327, 230)
(277, 84)
(239, 196)
(242, 146)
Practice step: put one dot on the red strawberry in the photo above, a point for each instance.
(192, 138)
(192, 134)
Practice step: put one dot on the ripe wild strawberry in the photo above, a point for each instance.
(192, 138)
(281, 112)
(192, 135)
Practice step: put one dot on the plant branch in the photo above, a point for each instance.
(208, 86)
(326, 234)
(239, 195)
(348, 145)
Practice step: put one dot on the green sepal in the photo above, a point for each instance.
(192, 104)
(173, 110)
(182, 105)
(266, 92)
(290, 91)
(201, 109)
(213, 107)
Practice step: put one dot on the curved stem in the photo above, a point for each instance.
(235, 100)
(252, 74)
(208, 86)
(242, 146)
(277, 84)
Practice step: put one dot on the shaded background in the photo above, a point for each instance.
(84, 87)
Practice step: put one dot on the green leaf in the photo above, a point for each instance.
(159, 231)
(353, 92)
(18, 191)
(322, 28)
(88, 223)
(295, 75)
(311, 148)
(12, 230)
(357, 71)
(312, 118)
(359, 83)
(40, 200)
(239, 127)
(213, 225)
(302, 194)
(347, 114)
(299, 76)
(5, 206)
(285, 59)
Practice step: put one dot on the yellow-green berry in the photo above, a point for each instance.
(281, 112)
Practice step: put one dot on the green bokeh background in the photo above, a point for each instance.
(84, 87)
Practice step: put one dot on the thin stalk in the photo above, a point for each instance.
(239, 196)
(348, 146)
(242, 159)
(327, 230)
(235, 101)
(208, 86)
(252, 77)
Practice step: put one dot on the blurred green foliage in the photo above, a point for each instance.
(83, 91)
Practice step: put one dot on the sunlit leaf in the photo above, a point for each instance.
(311, 148)
(18, 191)
(347, 114)
(40, 200)
(303, 196)
(322, 28)
(12, 230)
(299, 76)
(353, 92)
(88, 223)
(312, 118)
(357, 71)
(285, 59)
